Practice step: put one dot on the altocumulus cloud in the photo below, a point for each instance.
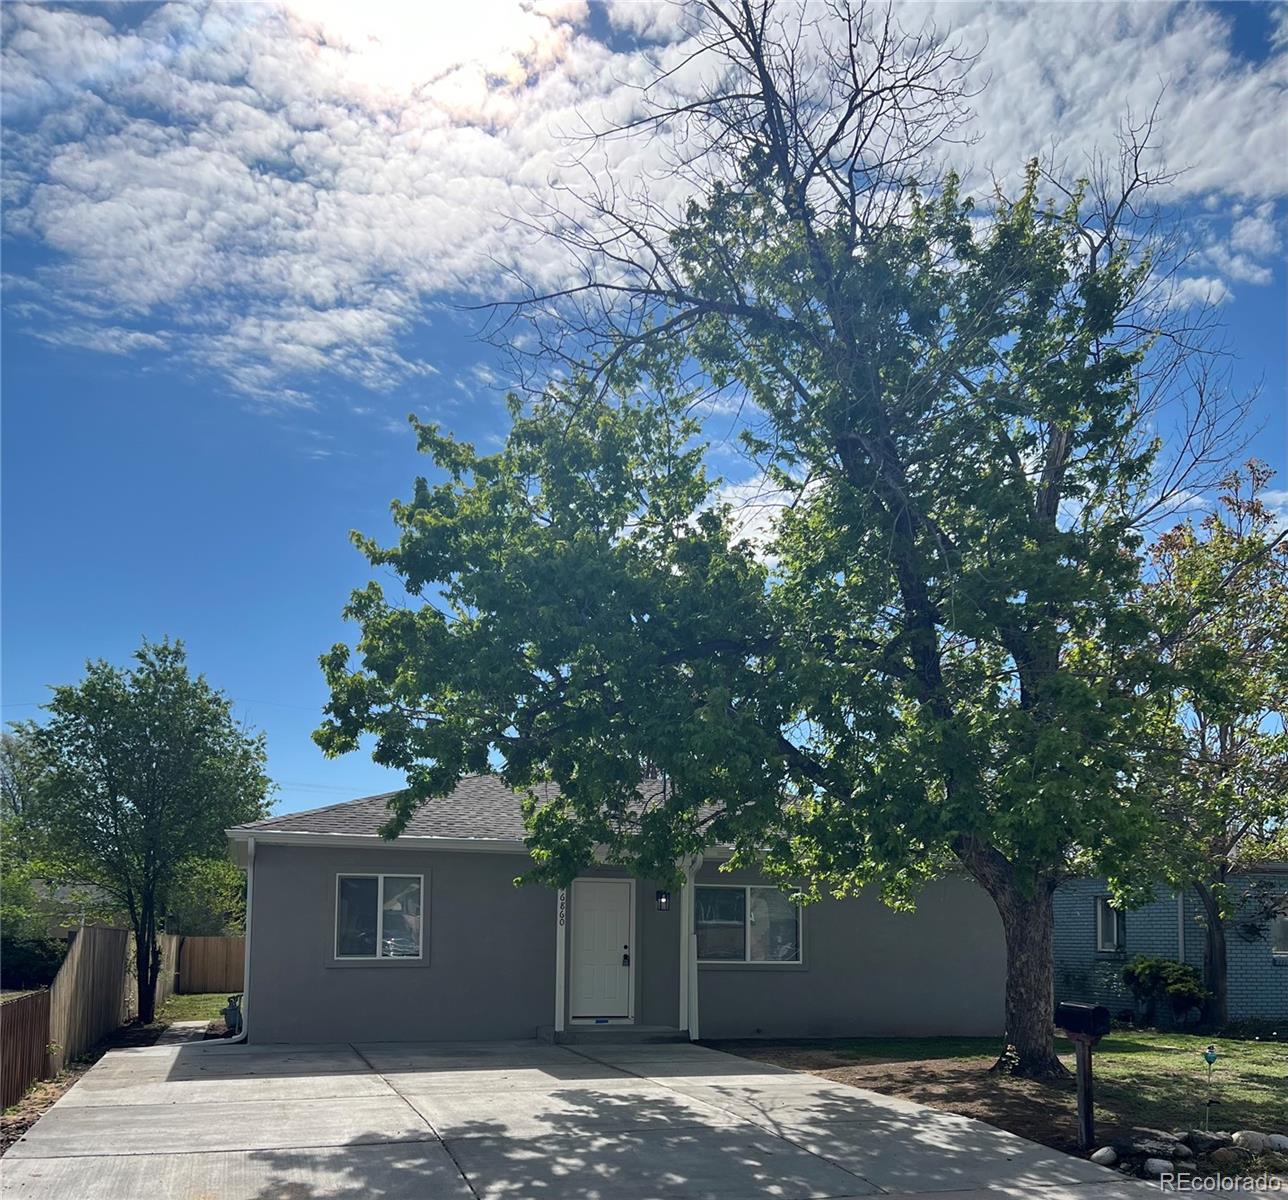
(278, 192)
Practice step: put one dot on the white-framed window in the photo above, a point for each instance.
(379, 916)
(1279, 936)
(1111, 926)
(746, 924)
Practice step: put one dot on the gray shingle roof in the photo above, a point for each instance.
(480, 807)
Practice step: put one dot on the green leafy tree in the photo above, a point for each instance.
(38, 889)
(22, 865)
(1219, 596)
(208, 899)
(936, 662)
(142, 769)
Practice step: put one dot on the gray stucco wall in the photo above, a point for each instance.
(488, 970)
(1258, 980)
(868, 971)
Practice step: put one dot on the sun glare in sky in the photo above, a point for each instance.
(452, 54)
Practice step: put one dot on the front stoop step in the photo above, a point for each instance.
(603, 1035)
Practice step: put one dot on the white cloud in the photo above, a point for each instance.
(1200, 290)
(278, 192)
(757, 505)
(1276, 499)
(106, 339)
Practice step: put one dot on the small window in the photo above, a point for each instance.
(1111, 926)
(746, 924)
(1279, 936)
(379, 916)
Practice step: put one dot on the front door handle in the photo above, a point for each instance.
(626, 956)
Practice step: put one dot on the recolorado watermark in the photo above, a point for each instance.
(1263, 1184)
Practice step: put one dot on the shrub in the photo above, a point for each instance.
(1253, 1029)
(1152, 980)
(30, 962)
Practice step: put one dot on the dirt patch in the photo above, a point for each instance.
(1041, 1112)
(18, 1118)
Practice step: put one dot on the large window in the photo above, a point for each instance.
(746, 924)
(1279, 937)
(1111, 926)
(379, 916)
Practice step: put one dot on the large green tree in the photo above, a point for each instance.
(935, 661)
(141, 769)
(1218, 593)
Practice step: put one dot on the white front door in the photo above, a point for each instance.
(601, 949)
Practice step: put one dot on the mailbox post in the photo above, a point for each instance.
(1084, 1025)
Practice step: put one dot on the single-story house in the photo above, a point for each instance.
(427, 938)
(1094, 941)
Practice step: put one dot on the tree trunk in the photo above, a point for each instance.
(1030, 985)
(1028, 922)
(1215, 975)
(146, 964)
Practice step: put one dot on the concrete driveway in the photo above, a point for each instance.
(486, 1121)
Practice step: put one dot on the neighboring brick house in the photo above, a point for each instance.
(1093, 943)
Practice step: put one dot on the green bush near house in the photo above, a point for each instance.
(1155, 980)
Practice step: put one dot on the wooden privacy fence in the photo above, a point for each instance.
(212, 964)
(24, 1030)
(167, 976)
(92, 994)
(96, 992)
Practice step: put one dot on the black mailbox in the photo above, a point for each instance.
(1082, 1020)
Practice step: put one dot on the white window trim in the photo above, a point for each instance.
(380, 917)
(1104, 903)
(746, 960)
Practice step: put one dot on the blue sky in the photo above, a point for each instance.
(233, 238)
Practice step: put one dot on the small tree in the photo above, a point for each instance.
(1220, 601)
(140, 770)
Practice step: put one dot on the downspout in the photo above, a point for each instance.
(250, 909)
(1180, 925)
(691, 949)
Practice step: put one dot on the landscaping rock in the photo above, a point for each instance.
(1106, 1156)
(1154, 1167)
(1202, 1142)
(1230, 1156)
(1249, 1139)
(1277, 1141)
(1153, 1143)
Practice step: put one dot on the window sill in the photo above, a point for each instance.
(751, 966)
(375, 964)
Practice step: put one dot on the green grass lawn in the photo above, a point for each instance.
(1142, 1078)
(1160, 1079)
(200, 1006)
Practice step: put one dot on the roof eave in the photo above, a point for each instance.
(371, 841)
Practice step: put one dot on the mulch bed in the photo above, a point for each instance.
(1041, 1112)
(17, 1119)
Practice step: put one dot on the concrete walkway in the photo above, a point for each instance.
(177, 1033)
(518, 1121)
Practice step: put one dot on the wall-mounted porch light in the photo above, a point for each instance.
(663, 901)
